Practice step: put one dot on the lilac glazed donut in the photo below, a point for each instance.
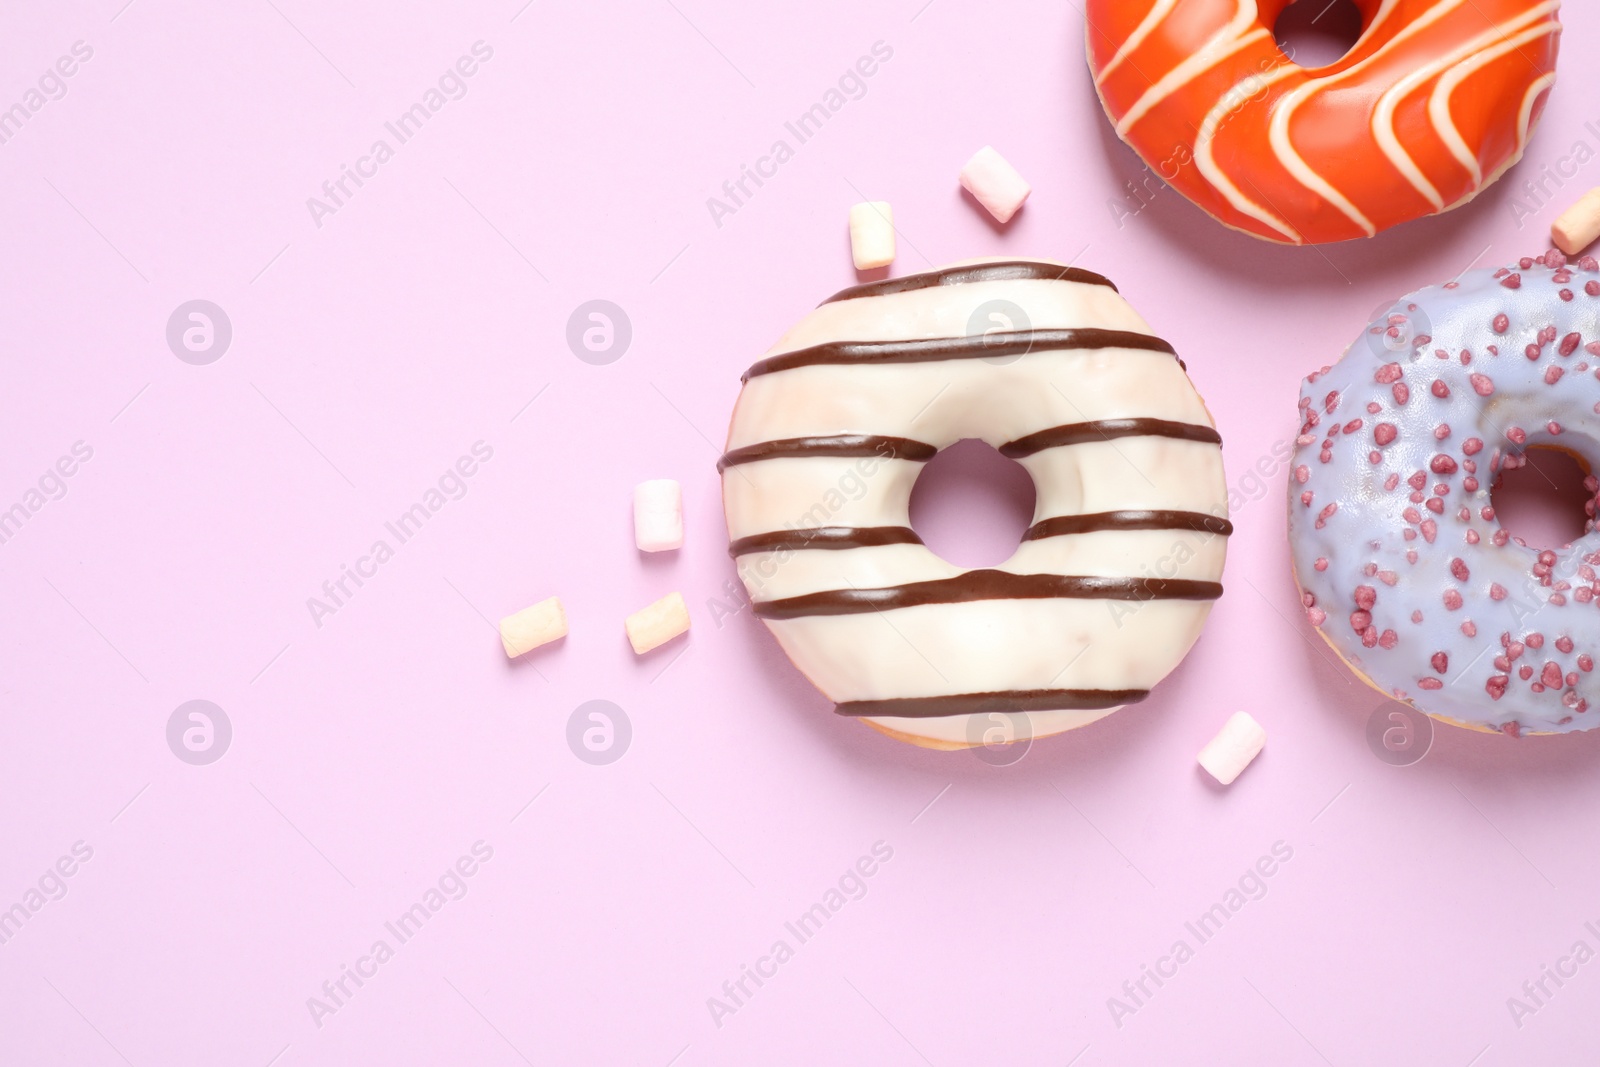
(1401, 564)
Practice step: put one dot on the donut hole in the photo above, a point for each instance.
(971, 505)
(1315, 33)
(1542, 503)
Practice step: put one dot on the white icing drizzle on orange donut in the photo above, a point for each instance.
(1278, 148)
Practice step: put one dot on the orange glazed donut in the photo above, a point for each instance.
(1434, 102)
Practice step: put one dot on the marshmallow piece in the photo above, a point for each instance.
(658, 515)
(657, 624)
(995, 183)
(1579, 226)
(872, 234)
(1231, 751)
(531, 627)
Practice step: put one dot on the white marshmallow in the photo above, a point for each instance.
(1579, 225)
(995, 183)
(658, 515)
(1231, 751)
(531, 627)
(657, 624)
(872, 234)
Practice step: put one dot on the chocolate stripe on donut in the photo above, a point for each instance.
(1078, 433)
(982, 346)
(986, 585)
(1009, 700)
(1015, 270)
(826, 537)
(1063, 525)
(844, 445)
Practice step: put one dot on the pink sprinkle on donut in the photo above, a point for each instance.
(1443, 464)
(1586, 663)
(1366, 597)
(1452, 600)
(1497, 591)
(1570, 344)
(1388, 639)
(1551, 675)
(1440, 389)
(1592, 288)
(1564, 644)
(1469, 628)
(1458, 568)
(1388, 374)
(1512, 281)
(1502, 323)
(1321, 564)
(1552, 374)
(1360, 620)
(1384, 433)
(1441, 662)
(1472, 446)
(1302, 474)
(1482, 384)
(1517, 435)
(1534, 640)
(1402, 393)
(1430, 530)
(1316, 616)
(1430, 683)
(1496, 686)
(1532, 352)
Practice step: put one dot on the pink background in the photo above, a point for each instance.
(371, 752)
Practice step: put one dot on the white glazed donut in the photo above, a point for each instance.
(1109, 588)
